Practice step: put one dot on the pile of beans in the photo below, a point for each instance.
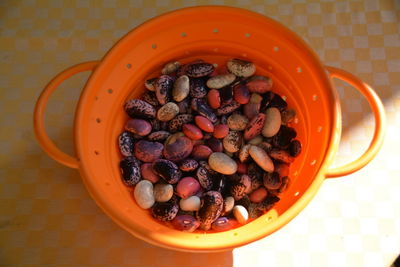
(206, 147)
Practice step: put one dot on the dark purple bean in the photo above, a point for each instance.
(167, 170)
(272, 180)
(126, 143)
(165, 211)
(284, 136)
(198, 87)
(130, 168)
(226, 94)
(185, 223)
(211, 207)
(203, 109)
(150, 97)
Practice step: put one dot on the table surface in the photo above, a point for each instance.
(46, 214)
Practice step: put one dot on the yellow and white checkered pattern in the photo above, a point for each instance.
(48, 218)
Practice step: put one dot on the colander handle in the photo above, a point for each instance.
(40, 131)
(380, 123)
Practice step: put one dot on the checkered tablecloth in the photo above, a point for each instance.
(47, 216)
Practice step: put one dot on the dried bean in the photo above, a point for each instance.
(228, 108)
(163, 88)
(197, 87)
(143, 194)
(241, 68)
(187, 186)
(295, 148)
(181, 88)
(214, 98)
(259, 84)
(167, 170)
(233, 141)
(215, 144)
(185, 223)
(261, 158)
(148, 151)
(272, 122)
(130, 168)
(221, 80)
(240, 214)
(165, 211)
(179, 149)
(171, 67)
(163, 192)
(176, 123)
(254, 127)
(200, 69)
(137, 108)
(281, 155)
(237, 122)
(204, 124)
(188, 165)
(201, 152)
(210, 210)
(190, 204)
(222, 163)
(146, 170)
(158, 136)
(150, 84)
(126, 143)
(241, 94)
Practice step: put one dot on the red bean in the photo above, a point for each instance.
(214, 99)
(282, 169)
(220, 131)
(204, 124)
(258, 195)
(241, 94)
(192, 131)
(147, 173)
(187, 186)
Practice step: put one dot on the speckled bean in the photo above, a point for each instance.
(200, 69)
(197, 87)
(176, 123)
(137, 108)
(188, 165)
(210, 210)
(168, 112)
(215, 144)
(171, 67)
(233, 141)
(254, 127)
(237, 122)
(163, 87)
(126, 143)
(241, 68)
(167, 170)
(130, 168)
(165, 211)
(221, 80)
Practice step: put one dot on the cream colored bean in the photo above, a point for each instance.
(261, 158)
(181, 88)
(144, 195)
(241, 214)
(190, 204)
(222, 163)
(220, 81)
(168, 112)
(272, 122)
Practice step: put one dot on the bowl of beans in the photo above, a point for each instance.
(207, 128)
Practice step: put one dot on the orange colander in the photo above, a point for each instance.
(215, 34)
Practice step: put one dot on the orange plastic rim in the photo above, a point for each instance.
(214, 34)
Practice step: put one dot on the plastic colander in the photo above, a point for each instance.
(215, 34)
